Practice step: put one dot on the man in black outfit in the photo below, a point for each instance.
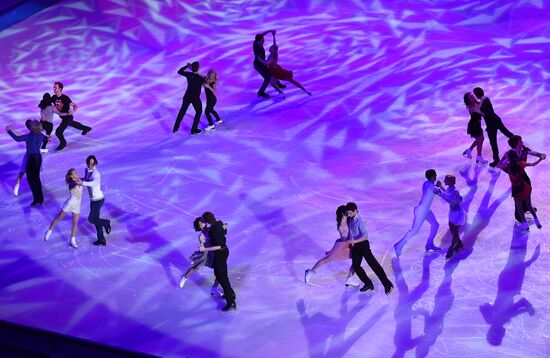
(65, 108)
(259, 62)
(493, 122)
(217, 232)
(360, 248)
(191, 96)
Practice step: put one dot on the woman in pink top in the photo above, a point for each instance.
(340, 250)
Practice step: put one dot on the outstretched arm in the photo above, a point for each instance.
(16, 137)
(536, 154)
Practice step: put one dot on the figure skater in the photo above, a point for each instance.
(493, 122)
(457, 215)
(210, 86)
(65, 108)
(21, 173)
(34, 139)
(340, 251)
(422, 212)
(521, 189)
(279, 73)
(357, 237)
(217, 232)
(191, 96)
(71, 205)
(92, 180)
(474, 127)
(259, 62)
(204, 256)
(516, 142)
(46, 117)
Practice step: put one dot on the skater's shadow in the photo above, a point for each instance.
(293, 239)
(433, 322)
(482, 218)
(404, 310)
(329, 336)
(142, 229)
(510, 282)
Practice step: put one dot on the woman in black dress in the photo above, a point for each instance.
(210, 87)
(474, 127)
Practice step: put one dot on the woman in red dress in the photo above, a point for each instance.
(279, 73)
(340, 250)
(521, 189)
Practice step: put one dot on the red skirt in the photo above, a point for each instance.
(524, 194)
(340, 251)
(280, 73)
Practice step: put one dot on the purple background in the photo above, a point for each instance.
(387, 81)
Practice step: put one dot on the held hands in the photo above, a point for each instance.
(225, 226)
(438, 184)
(8, 128)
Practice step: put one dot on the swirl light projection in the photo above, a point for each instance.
(387, 81)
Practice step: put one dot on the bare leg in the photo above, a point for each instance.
(519, 208)
(474, 144)
(325, 260)
(75, 224)
(189, 271)
(479, 141)
(530, 207)
(273, 83)
(19, 177)
(216, 283)
(57, 219)
(297, 84)
(351, 272)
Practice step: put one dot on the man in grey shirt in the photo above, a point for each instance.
(361, 249)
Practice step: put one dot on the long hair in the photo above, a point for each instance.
(46, 101)
(514, 161)
(209, 217)
(467, 99)
(212, 74)
(69, 179)
(340, 212)
(196, 225)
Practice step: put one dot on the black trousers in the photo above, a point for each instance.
(48, 127)
(68, 121)
(197, 105)
(209, 110)
(93, 218)
(34, 162)
(220, 271)
(362, 250)
(492, 130)
(264, 72)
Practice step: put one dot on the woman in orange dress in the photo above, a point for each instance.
(340, 250)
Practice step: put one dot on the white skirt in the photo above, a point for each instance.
(71, 205)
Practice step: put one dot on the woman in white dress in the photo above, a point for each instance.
(457, 215)
(71, 205)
